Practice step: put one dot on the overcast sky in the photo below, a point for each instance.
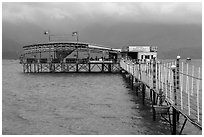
(42, 13)
(110, 24)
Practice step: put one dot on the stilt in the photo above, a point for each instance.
(27, 68)
(62, 67)
(132, 82)
(89, 67)
(109, 68)
(38, 67)
(154, 83)
(34, 67)
(53, 70)
(174, 121)
(30, 67)
(143, 93)
(50, 66)
(23, 67)
(77, 67)
(137, 86)
(150, 95)
(154, 89)
(102, 67)
(177, 79)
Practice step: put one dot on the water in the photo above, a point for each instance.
(72, 104)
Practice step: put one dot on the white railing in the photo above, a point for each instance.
(188, 86)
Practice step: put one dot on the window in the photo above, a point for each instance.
(147, 57)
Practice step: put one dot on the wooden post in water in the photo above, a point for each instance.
(102, 67)
(89, 67)
(177, 79)
(41, 69)
(136, 87)
(132, 75)
(154, 82)
(109, 67)
(38, 65)
(154, 89)
(132, 82)
(128, 71)
(30, 67)
(174, 120)
(23, 67)
(34, 64)
(143, 93)
(77, 66)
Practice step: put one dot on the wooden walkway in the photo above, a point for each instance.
(161, 78)
(90, 67)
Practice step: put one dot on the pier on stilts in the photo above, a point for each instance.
(172, 91)
(170, 87)
(69, 57)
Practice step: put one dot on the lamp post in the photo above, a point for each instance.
(47, 33)
(77, 38)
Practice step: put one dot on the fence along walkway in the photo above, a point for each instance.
(180, 82)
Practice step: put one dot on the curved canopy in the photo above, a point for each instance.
(65, 46)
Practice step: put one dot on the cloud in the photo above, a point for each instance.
(41, 13)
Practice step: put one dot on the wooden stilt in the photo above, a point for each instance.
(38, 67)
(102, 67)
(137, 87)
(23, 67)
(41, 67)
(109, 68)
(177, 80)
(30, 67)
(174, 121)
(132, 82)
(175, 113)
(89, 67)
(154, 83)
(34, 67)
(154, 90)
(77, 67)
(143, 93)
(27, 68)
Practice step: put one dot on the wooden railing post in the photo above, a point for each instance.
(154, 89)
(143, 93)
(177, 78)
(154, 82)
(132, 76)
(174, 120)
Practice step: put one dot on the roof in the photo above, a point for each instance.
(71, 44)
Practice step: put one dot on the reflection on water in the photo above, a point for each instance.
(72, 104)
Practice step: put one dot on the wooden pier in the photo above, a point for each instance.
(89, 67)
(161, 83)
(69, 57)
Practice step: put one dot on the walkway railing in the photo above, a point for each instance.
(179, 81)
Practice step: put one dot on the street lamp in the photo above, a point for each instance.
(77, 38)
(47, 33)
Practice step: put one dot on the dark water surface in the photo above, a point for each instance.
(72, 104)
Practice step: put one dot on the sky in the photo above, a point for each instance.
(172, 26)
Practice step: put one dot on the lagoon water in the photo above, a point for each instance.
(48, 103)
